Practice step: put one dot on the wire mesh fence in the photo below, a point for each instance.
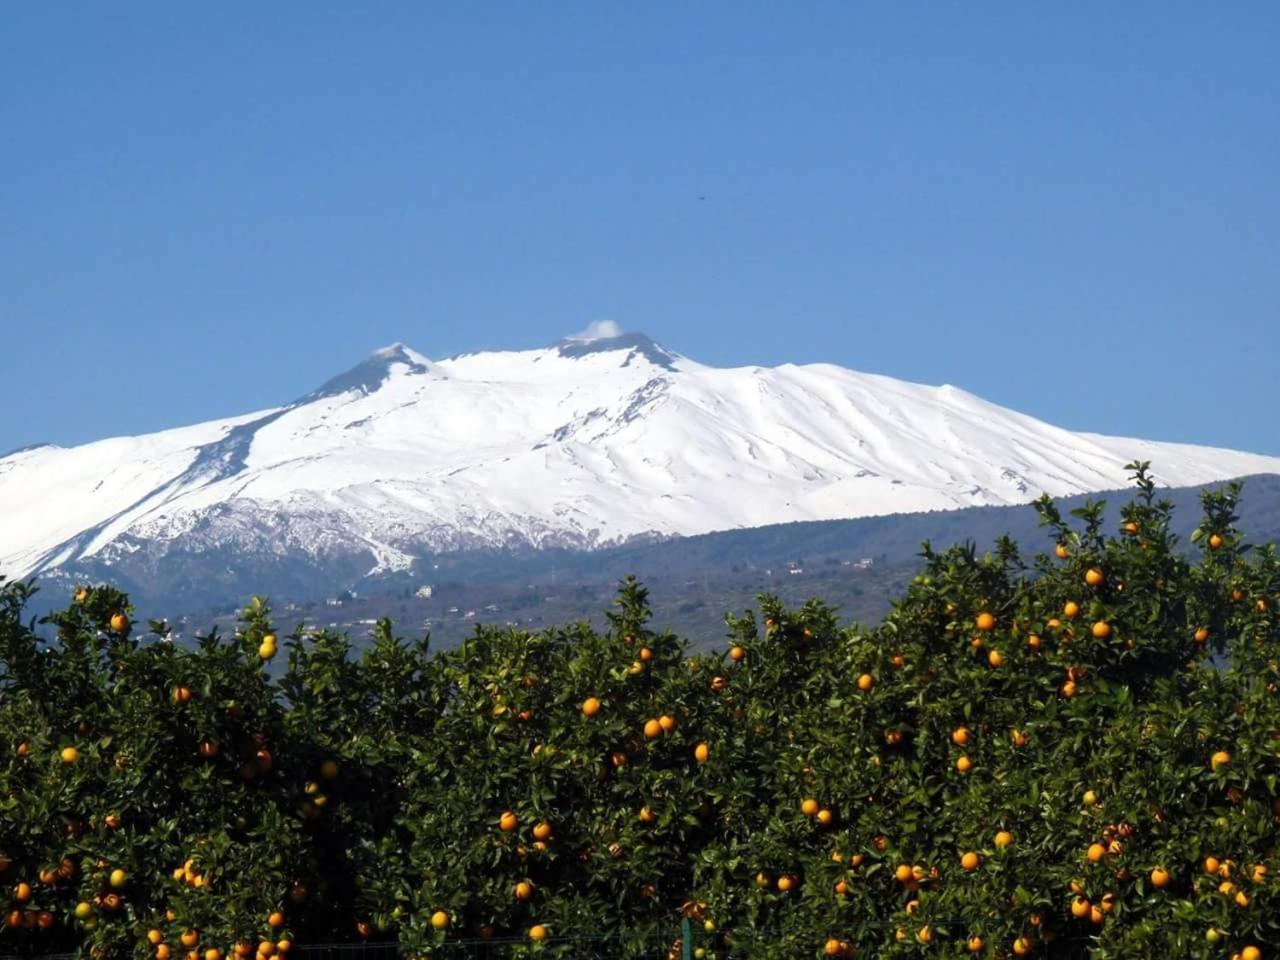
(618, 946)
(498, 948)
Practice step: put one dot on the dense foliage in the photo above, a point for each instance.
(1070, 756)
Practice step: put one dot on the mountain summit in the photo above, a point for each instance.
(587, 442)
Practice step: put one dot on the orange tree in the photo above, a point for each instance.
(1069, 755)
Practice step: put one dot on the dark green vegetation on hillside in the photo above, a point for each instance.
(694, 579)
(1030, 756)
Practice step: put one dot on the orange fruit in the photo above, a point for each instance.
(903, 873)
(736, 654)
(1159, 877)
(1071, 610)
(1220, 759)
(1096, 852)
(1102, 630)
(668, 722)
(590, 706)
(970, 861)
(508, 822)
(985, 622)
(1130, 528)
(960, 736)
(1061, 551)
(701, 753)
(1250, 953)
(995, 658)
(975, 944)
(866, 682)
(964, 764)
(538, 932)
(1080, 908)
(809, 807)
(824, 818)
(119, 622)
(155, 937)
(1003, 839)
(1215, 541)
(645, 654)
(1202, 635)
(542, 831)
(190, 938)
(1018, 737)
(439, 920)
(162, 951)
(1022, 946)
(276, 919)
(647, 815)
(785, 883)
(1093, 576)
(69, 755)
(22, 892)
(652, 729)
(524, 890)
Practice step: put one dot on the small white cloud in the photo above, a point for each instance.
(598, 330)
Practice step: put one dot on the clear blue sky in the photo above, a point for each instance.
(1070, 209)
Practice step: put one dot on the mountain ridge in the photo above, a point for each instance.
(585, 444)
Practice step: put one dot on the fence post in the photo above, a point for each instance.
(686, 940)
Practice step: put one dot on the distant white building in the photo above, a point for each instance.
(424, 592)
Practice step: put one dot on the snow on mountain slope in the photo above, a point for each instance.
(581, 444)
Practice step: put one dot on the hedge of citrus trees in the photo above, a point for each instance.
(1066, 756)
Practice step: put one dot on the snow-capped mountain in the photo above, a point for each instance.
(581, 444)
